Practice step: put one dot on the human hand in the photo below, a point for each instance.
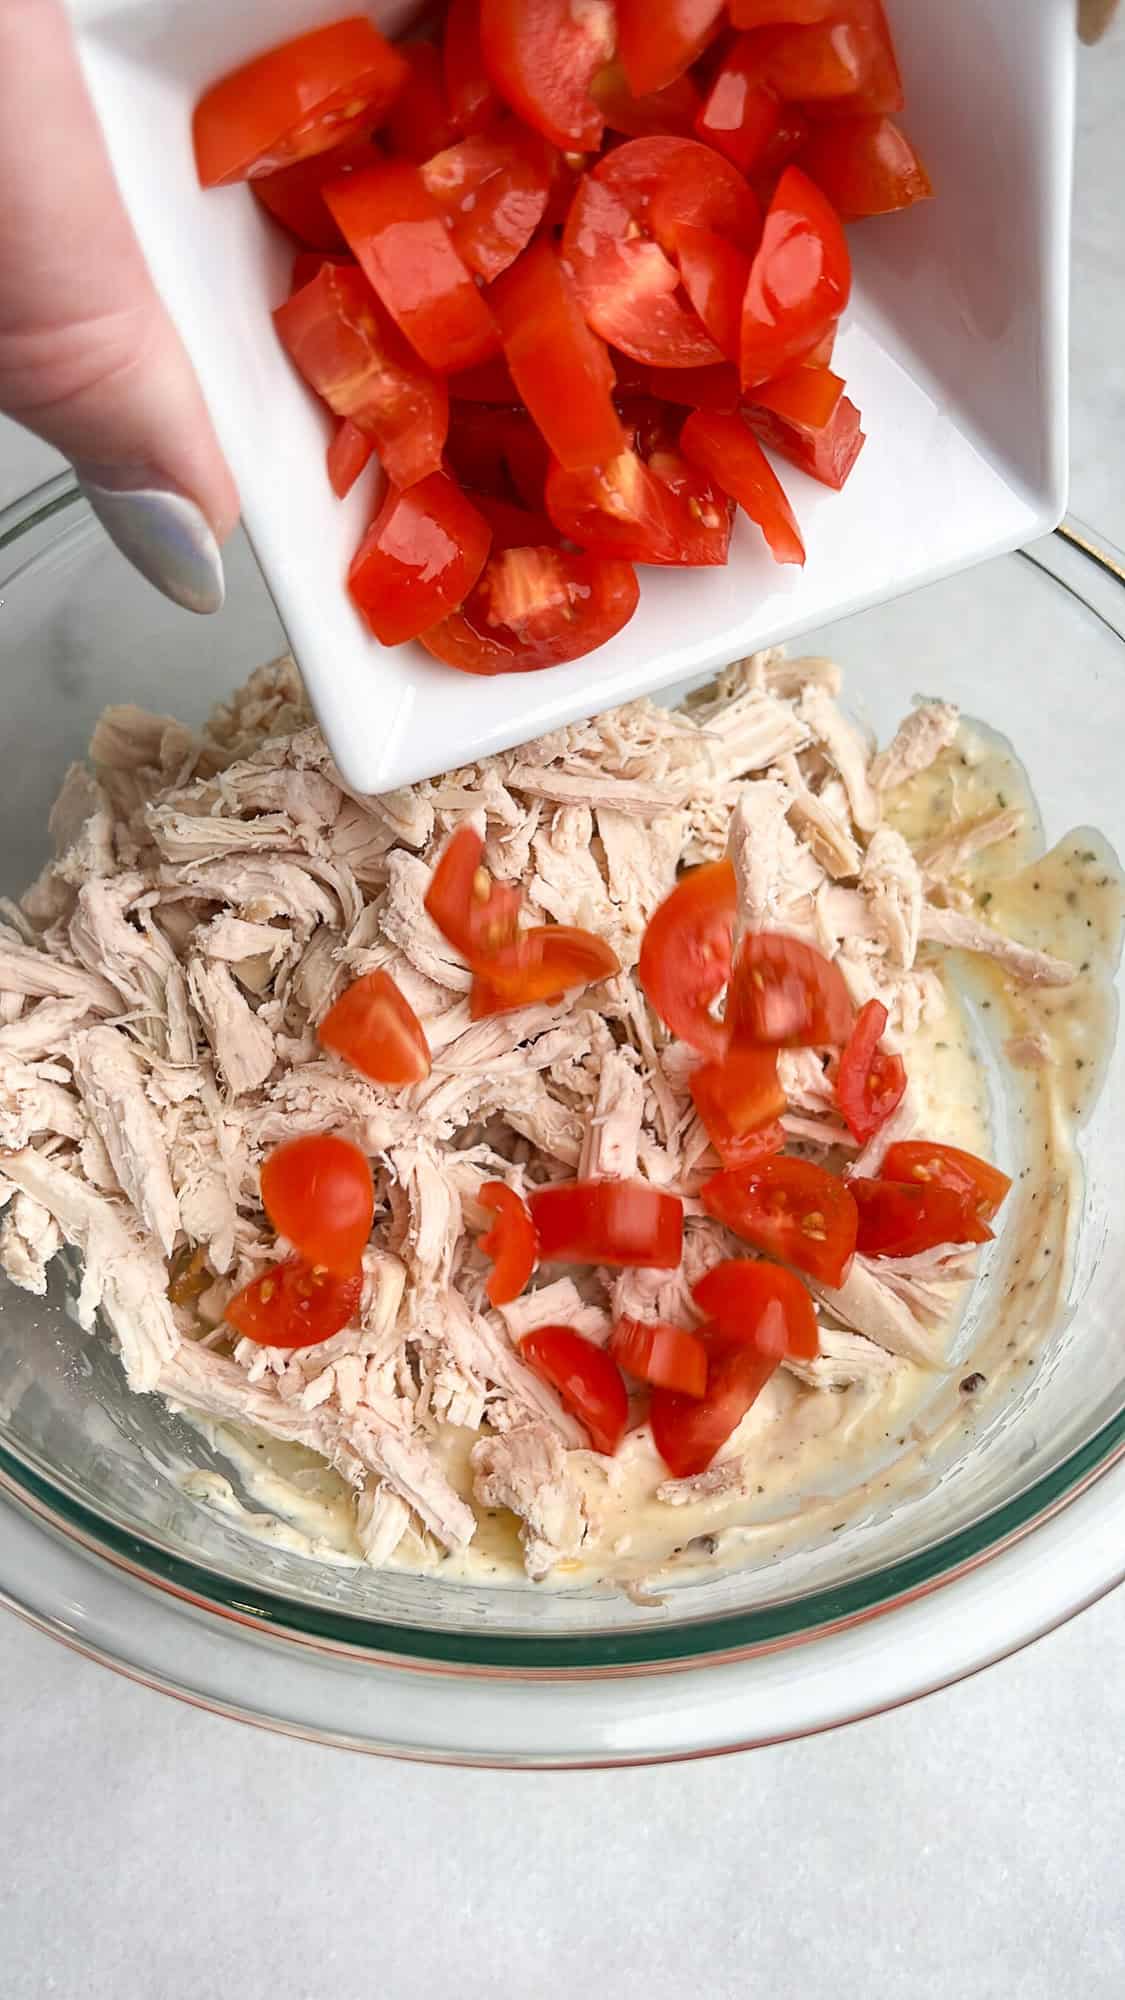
(89, 359)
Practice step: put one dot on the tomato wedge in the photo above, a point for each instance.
(542, 56)
(511, 1242)
(547, 961)
(657, 44)
(715, 275)
(515, 527)
(304, 97)
(675, 108)
(792, 1210)
(667, 183)
(627, 285)
(870, 1082)
(726, 450)
(754, 1304)
(827, 454)
(903, 1218)
(806, 396)
(686, 953)
(294, 1304)
(619, 509)
(714, 388)
(420, 122)
(374, 1027)
(878, 82)
(493, 189)
(419, 559)
(349, 453)
(786, 994)
(347, 349)
(472, 99)
(925, 1163)
(866, 166)
(736, 1097)
(478, 915)
(745, 1149)
(740, 115)
(627, 1224)
(768, 13)
(688, 1433)
(562, 370)
(655, 1351)
(800, 280)
(498, 451)
(308, 264)
(490, 382)
(318, 1192)
(534, 608)
(295, 196)
(587, 1380)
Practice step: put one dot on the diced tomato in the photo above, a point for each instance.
(374, 1027)
(318, 1192)
(666, 183)
(304, 97)
(903, 1218)
(498, 451)
(542, 56)
(626, 1224)
(587, 1379)
(805, 396)
(619, 509)
(419, 559)
(827, 454)
(715, 275)
(745, 1149)
(490, 382)
(478, 915)
(308, 264)
(792, 1210)
(818, 356)
(866, 166)
(703, 515)
(687, 1433)
(727, 451)
(295, 196)
(294, 1304)
(548, 960)
(561, 369)
(870, 1081)
(754, 1304)
(736, 1097)
(397, 232)
(786, 994)
(673, 109)
(925, 1163)
(493, 189)
(654, 1351)
(657, 44)
(740, 115)
(878, 87)
(421, 123)
(535, 608)
(515, 527)
(686, 953)
(812, 64)
(768, 13)
(349, 452)
(348, 350)
(627, 285)
(714, 388)
(472, 100)
(511, 1242)
(800, 280)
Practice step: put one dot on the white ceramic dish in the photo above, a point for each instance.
(955, 350)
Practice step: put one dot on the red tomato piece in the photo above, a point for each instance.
(472, 99)
(687, 1433)
(727, 451)
(318, 1192)
(672, 109)
(348, 350)
(547, 961)
(666, 183)
(511, 1242)
(587, 1380)
(490, 382)
(498, 451)
(715, 275)
(805, 396)
(827, 454)
(627, 1224)
(533, 608)
(627, 285)
(295, 196)
(800, 280)
(819, 356)
(493, 189)
(745, 1149)
(810, 65)
(714, 388)
(561, 369)
(304, 97)
(294, 1304)
(925, 1163)
(478, 915)
(870, 1081)
(619, 509)
(740, 115)
(903, 1218)
(754, 1304)
(737, 1096)
(374, 1027)
(792, 1210)
(515, 527)
(419, 559)
(308, 264)
(786, 994)
(654, 1351)
(420, 122)
(768, 13)
(656, 45)
(703, 514)
(686, 952)
(879, 83)
(542, 57)
(866, 166)
(349, 452)
(397, 232)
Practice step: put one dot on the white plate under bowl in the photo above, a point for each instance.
(954, 349)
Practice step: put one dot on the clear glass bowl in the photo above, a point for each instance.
(98, 1540)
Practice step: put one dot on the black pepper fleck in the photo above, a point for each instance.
(972, 1383)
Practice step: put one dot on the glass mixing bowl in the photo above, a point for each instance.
(101, 1545)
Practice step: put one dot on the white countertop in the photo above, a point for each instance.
(967, 1848)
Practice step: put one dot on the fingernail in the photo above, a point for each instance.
(165, 536)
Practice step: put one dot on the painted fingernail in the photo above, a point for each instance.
(165, 536)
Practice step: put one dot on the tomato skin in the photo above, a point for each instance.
(792, 1210)
(805, 396)
(668, 1357)
(713, 388)
(800, 280)
(374, 1027)
(688, 1433)
(295, 196)
(925, 1163)
(738, 1096)
(308, 264)
(561, 369)
(318, 1192)
(542, 56)
(878, 87)
(420, 122)
(827, 454)
(490, 382)
(740, 116)
(472, 100)
(870, 1082)
(304, 97)
(901, 1219)
(511, 1242)
(627, 1224)
(547, 961)
(293, 1304)
(866, 166)
(667, 183)
(515, 527)
(586, 1379)
(786, 994)
(493, 188)
(686, 954)
(627, 285)
(673, 109)
(619, 509)
(727, 451)
(478, 915)
(498, 451)
(715, 275)
(349, 452)
(534, 608)
(657, 45)
(754, 1304)
(768, 13)
(419, 559)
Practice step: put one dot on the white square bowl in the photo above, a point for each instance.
(954, 348)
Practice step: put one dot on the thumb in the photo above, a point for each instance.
(89, 359)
